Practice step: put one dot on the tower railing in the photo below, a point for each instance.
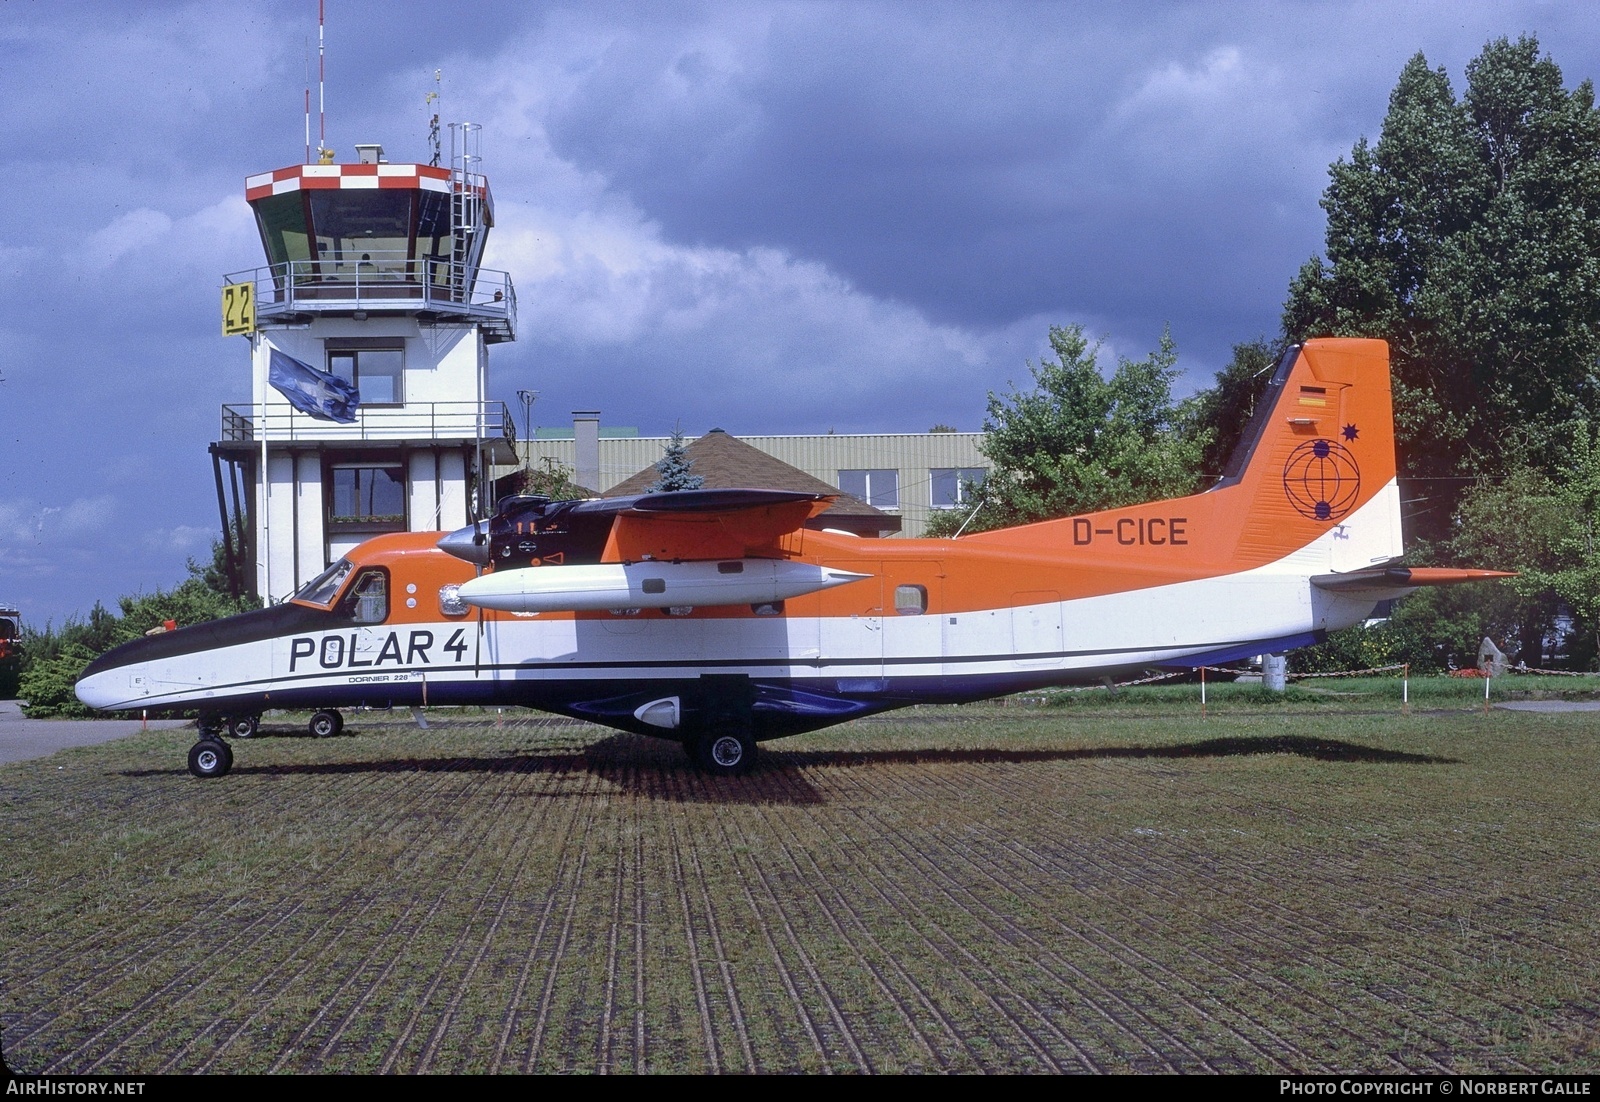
(384, 281)
(278, 422)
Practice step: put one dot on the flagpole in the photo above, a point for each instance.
(266, 521)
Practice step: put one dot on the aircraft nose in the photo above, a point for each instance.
(470, 543)
(105, 689)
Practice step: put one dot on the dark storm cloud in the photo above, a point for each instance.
(1146, 163)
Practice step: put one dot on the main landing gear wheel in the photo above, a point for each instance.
(244, 726)
(210, 758)
(728, 754)
(325, 724)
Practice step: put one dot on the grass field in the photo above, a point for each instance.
(1089, 883)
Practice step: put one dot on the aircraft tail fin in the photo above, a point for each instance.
(1318, 460)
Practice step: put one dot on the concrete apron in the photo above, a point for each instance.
(22, 738)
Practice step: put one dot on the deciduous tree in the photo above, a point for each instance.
(1469, 238)
(1079, 442)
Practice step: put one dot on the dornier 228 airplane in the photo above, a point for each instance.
(714, 618)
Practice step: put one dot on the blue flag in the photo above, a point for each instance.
(324, 396)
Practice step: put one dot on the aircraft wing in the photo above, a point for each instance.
(673, 526)
(695, 525)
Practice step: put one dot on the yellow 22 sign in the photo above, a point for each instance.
(238, 309)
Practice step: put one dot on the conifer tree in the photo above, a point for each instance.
(674, 468)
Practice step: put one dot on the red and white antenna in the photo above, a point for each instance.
(308, 101)
(324, 154)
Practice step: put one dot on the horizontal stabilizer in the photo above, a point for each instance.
(1402, 577)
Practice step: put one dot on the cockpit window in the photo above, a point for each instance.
(322, 589)
(368, 602)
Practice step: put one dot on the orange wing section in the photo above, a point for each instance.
(750, 531)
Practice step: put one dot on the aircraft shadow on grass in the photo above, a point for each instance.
(654, 768)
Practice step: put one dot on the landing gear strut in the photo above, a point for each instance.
(724, 743)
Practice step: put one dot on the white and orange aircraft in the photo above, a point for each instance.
(715, 618)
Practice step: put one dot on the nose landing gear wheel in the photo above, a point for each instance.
(325, 724)
(244, 726)
(210, 758)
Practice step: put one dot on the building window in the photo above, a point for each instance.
(368, 495)
(880, 489)
(378, 373)
(951, 485)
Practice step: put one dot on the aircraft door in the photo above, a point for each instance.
(370, 596)
(913, 621)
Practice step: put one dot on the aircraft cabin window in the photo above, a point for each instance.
(369, 598)
(450, 602)
(910, 600)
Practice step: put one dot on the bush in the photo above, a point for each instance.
(53, 660)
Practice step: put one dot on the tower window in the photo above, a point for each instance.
(378, 373)
(368, 494)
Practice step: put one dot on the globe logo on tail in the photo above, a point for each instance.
(1322, 480)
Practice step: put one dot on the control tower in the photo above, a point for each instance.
(372, 278)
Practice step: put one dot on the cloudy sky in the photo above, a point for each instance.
(761, 217)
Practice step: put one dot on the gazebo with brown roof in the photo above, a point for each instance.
(726, 463)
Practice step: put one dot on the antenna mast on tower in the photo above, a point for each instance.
(324, 154)
(435, 101)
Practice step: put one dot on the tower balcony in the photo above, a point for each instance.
(248, 425)
(375, 283)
